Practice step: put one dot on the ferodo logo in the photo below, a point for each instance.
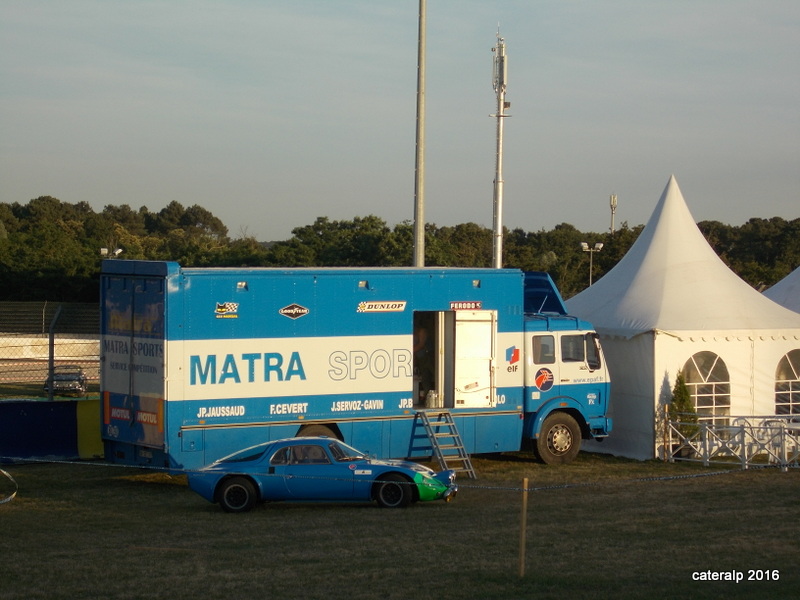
(382, 306)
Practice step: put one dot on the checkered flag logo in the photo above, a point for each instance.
(227, 307)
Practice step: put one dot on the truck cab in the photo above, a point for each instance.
(567, 383)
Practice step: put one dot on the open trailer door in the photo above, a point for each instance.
(473, 378)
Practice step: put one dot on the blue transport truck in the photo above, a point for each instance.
(197, 363)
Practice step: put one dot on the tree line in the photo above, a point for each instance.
(50, 250)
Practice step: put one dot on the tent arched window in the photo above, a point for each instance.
(787, 384)
(709, 384)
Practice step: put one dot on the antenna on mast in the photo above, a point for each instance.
(612, 202)
(499, 83)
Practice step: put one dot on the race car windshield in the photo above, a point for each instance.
(344, 453)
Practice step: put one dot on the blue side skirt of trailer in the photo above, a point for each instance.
(393, 437)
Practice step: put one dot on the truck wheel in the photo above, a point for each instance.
(559, 441)
(393, 491)
(237, 495)
(317, 431)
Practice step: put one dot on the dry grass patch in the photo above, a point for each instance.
(604, 526)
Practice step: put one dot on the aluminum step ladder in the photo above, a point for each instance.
(446, 441)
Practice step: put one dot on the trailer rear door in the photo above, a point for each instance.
(132, 359)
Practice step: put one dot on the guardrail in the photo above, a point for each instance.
(751, 441)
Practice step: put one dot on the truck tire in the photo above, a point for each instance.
(237, 495)
(560, 439)
(317, 431)
(393, 491)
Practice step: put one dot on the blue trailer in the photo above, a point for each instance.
(197, 363)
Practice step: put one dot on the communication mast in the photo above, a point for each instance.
(612, 202)
(499, 82)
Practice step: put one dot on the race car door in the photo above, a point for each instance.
(308, 473)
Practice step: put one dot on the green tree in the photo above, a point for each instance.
(8, 218)
(243, 252)
(49, 249)
(681, 407)
(570, 269)
(465, 245)
(398, 247)
(200, 222)
(165, 220)
(360, 242)
(123, 215)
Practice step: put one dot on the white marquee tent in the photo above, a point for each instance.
(671, 304)
(787, 291)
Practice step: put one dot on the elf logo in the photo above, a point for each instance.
(512, 358)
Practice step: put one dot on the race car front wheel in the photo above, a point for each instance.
(393, 491)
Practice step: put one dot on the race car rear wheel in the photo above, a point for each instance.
(393, 491)
(237, 494)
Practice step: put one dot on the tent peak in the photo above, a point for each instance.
(671, 279)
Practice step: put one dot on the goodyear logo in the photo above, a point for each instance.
(294, 311)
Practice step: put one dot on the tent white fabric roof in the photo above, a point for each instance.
(672, 280)
(787, 291)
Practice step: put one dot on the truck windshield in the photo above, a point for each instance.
(593, 351)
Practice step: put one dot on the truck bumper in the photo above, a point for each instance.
(600, 426)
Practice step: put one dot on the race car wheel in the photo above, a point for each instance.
(560, 439)
(393, 491)
(237, 494)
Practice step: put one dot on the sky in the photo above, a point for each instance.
(271, 113)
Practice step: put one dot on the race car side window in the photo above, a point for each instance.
(281, 457)
(337, 452)
(307, 455)
(317, 456)
(344, 453)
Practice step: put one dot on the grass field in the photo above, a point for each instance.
(600, 528)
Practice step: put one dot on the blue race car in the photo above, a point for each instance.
(316, 469)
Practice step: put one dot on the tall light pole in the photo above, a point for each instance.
(499, 82)
(591, 250)
(419, 170)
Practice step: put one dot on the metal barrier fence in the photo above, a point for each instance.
(37, 337)
(750, 441)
